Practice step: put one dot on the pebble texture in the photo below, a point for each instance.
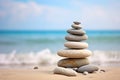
(72, 62)
(88, 68)
(71, 53)
(76, 45)
(75, 55)
(65, 71)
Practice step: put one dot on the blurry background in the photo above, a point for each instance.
(58, 15)
(30, 29)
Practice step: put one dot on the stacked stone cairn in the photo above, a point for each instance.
(75, 54)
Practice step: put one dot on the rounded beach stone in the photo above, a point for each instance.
(35, 67)
(75, 26)
(76, 22)
(72, 62)
(88, 68)
(85, 73)
(77, 32)
(74, 53)
(76, 45)
(76, 37)
(65, 71)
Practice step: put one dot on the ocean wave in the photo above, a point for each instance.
(44, 40)
(106, 58)
(45, 57)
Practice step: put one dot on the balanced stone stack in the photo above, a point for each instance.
(76, 53)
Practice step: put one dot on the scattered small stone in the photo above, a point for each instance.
(85, 73)
(65, 71)
(35, 67)
(102, 70)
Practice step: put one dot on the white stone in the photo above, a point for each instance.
(85, 73)
(65, 71)
(72, 53)
(76, 45)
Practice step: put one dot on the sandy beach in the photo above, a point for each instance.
(46, 73)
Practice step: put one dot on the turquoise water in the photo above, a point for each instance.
(34, 41)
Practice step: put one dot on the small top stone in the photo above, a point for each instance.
(76, 22)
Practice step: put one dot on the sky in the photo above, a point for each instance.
(59, 14)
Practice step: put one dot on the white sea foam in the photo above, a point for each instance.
(45, 57)
(106, 58)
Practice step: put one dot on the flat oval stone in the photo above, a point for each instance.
(75, 26)
(74, 53)
(77, 32)
(65, 71)
(76, 37)
(72, 62)
(76, 45)
(88, 68)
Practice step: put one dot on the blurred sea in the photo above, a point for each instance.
(24, 47)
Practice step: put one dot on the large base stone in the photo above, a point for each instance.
(73, 63)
